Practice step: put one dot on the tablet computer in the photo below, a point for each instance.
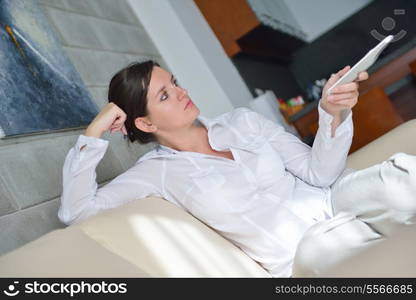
(363, 64)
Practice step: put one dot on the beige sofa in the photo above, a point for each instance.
(153, 238)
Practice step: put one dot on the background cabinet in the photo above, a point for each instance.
(374, 113)
(240, 30)
(230, 20)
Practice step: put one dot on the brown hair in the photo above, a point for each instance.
(128, 90)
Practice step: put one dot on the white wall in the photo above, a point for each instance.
(193, 53)
(318, 16)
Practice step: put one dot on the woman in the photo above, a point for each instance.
(243, 175)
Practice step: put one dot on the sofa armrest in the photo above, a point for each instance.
(66, 252)
(399, 139)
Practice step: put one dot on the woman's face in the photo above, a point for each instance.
(169, 105)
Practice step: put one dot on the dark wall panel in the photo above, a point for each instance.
(346, 43)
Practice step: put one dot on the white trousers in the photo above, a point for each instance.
(369, 205)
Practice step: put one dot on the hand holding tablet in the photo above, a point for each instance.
(363, 64)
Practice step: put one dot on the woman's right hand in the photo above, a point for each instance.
(111, 118)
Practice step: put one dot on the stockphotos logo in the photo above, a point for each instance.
(389, 24)
(72, 289)
(11, 291)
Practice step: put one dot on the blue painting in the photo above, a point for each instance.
(40, 90)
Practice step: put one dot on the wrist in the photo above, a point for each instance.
(337, 116)
(327, 108)
(93, 132)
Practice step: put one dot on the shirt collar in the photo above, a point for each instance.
(221, 136)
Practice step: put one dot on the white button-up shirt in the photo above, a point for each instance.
(263, 201)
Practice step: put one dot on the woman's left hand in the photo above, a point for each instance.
(342, 97)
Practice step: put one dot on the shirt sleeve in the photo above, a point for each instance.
(319, 165)
(81, 197)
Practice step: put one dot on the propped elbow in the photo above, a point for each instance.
(65, 218)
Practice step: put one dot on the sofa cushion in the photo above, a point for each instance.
(398, 139)
(165, 241)
(391, 257)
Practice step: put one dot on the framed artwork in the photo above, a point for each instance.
(40, 89)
